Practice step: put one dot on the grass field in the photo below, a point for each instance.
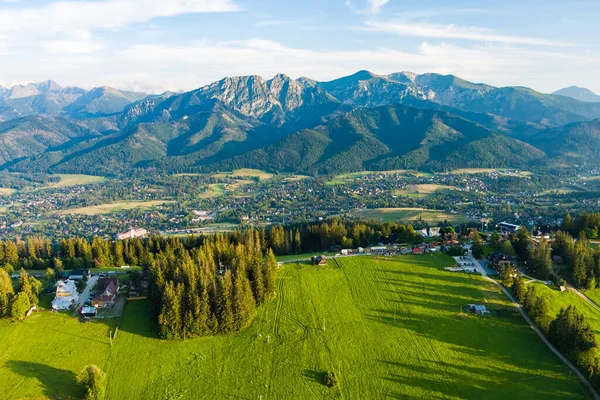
(6, 191)
(407, 214)
(246, 173)
(75, 179)
(114, 207)
(388, 328)
(557, 300)
(423, 190)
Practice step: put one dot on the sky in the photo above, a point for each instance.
(158, 45)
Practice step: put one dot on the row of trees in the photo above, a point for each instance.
(73, 253)
(214, 288)
(568, 331)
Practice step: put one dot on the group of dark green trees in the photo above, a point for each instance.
(568, 331)
(17, 304)
(580, 257)
(210, 289)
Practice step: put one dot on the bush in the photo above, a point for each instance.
(456, 251)
(93, 380)
(331, 379)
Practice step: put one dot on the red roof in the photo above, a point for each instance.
(417, 250)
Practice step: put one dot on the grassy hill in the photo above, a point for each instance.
(394, 328)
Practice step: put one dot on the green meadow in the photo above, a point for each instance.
(388, 328)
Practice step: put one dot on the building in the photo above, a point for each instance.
(202, 215)
(378, 249)
(106, 292)
(507, 228)
(418, 250)
(477, 309)
(89, 311)
(66, 295)
(133, 233)
(79, 274)
(318, 260)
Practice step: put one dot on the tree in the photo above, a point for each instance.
(506, 274)
(518, 288)
(6, 293)
(507, 248)
(169, 320)
(495, 240)
(478, 248)
(93, 381)
(269, 274)
(330, 379)
(49, 275)
(224, 303)
(20, 306)
(522, 242)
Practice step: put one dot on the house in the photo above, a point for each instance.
(131, 234)
(470, 233)
(66, 295)
(345, 252)
(78, 274)
(361, 250)
(418, 250)
(378, 249)
(106, 292)
(434, 231)
(318, 260)
(477, 309)
(89, 311)
(507, 228)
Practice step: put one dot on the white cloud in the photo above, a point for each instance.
(450, 31)
(65, 16)
(81, 42)
(373, 6)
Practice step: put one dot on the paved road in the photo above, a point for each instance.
(86, 292)
(581, 377)
(583, 296)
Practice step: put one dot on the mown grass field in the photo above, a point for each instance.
(67, 180)
(114, 207)
(423, 190)
(6, 191)
(407, 214)
(557, 300)
(388, 327)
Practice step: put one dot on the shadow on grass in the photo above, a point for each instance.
(315, 376)
(57, 383)
(137, 320)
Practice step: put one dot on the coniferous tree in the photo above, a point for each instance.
(6, 293)
(224, 303)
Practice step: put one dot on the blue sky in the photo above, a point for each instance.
(157, 45)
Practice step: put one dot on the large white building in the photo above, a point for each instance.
(133, 233)
(66, 295)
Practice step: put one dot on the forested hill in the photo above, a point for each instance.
(386, 138)
(401, 120)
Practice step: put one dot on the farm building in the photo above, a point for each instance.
(318, 260)
(378, 249)
(66, 295)
(106, 292)
(505, 227)
(89, 311)
(78, 274)
(132, 234)
(477, 309)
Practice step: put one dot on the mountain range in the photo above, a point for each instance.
(361, 121)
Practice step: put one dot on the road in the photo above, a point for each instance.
(583, 296)
(581, 377)
(86, 292)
